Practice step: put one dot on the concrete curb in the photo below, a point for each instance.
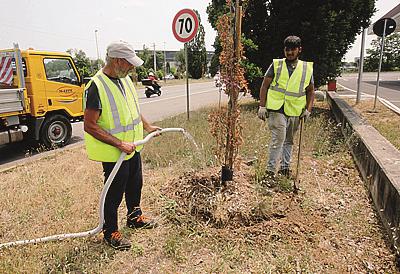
(37, 157)
(378, 161)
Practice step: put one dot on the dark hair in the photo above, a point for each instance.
(292, 42)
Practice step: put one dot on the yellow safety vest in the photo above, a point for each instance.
(120, 116)
(289, 91)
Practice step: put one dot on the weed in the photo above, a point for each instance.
(172, 247)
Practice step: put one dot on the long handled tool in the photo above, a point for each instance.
(101, 202)
(296, 184)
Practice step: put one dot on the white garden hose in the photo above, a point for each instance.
(101, 202)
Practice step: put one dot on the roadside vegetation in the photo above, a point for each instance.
(386, 121)
(245, 227)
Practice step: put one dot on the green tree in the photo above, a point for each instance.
(82, 62)
(147, 56)
(197, 55)
(327, 28)
(180, 59)
(96, 64)
(390, 57)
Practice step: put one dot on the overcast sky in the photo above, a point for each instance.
(59, 25)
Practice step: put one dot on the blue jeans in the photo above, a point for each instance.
(283, 128)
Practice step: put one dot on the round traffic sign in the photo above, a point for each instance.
(185, 25)
(380, 24)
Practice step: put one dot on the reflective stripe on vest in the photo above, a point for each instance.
(289, 90)
(114, 110)
(120, 117)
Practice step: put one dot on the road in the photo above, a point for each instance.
(389, 84)
(171, 102)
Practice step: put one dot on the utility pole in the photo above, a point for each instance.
(360, 67)
(165, 65)
(380, 63)
(97, 47)
(154, 57)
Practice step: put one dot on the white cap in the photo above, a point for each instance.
(122, 49)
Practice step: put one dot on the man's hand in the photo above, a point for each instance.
(128, 148)
(151, 128)
(305, 114)
(262, 113)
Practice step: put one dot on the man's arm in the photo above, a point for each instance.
(147, 126)
(264, 90)
(310, 94)
(91, 127)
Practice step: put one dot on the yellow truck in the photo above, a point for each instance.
(40, 96)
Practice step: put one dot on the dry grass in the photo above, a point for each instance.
(383, 119)
(330, 227)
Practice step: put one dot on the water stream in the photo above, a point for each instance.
(190, 138)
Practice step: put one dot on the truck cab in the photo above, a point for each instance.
(43, 98)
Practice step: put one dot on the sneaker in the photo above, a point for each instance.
(285, 172)
(117, 241)
(141, 222)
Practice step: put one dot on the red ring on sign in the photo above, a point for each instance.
(196, 25)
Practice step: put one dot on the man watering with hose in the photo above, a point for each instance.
(112, 123)
(286, 96)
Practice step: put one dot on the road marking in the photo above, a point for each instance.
(174, 97)
(349, 89)
(386, 102)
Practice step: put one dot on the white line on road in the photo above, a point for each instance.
(382, 100)
(174, 97)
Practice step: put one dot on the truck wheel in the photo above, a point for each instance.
(56, 131)
(148, 95)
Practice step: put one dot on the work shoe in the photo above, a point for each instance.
(117, 241)
(141, 222)
(285, 172)
(269, 179)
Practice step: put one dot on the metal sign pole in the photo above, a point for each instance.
(360, 67)
(380, 63)
(187, 80)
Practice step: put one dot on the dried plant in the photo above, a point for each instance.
(225, 123)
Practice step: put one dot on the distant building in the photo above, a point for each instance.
(170, 56)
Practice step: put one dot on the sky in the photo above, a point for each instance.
(382, 7)
(60, 25)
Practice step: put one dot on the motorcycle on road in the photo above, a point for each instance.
(152, 87)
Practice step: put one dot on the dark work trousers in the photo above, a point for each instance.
(128, 180)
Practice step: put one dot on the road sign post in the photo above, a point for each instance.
(184, 28)
(382, 27)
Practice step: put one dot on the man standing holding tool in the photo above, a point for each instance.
(286, 96)
(112, 122)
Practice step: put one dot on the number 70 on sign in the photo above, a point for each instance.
(185, 25)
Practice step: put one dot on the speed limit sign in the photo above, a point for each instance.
(185, 25)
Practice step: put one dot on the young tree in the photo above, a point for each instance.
(225, 122)
(390, 57)
(197, 54)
